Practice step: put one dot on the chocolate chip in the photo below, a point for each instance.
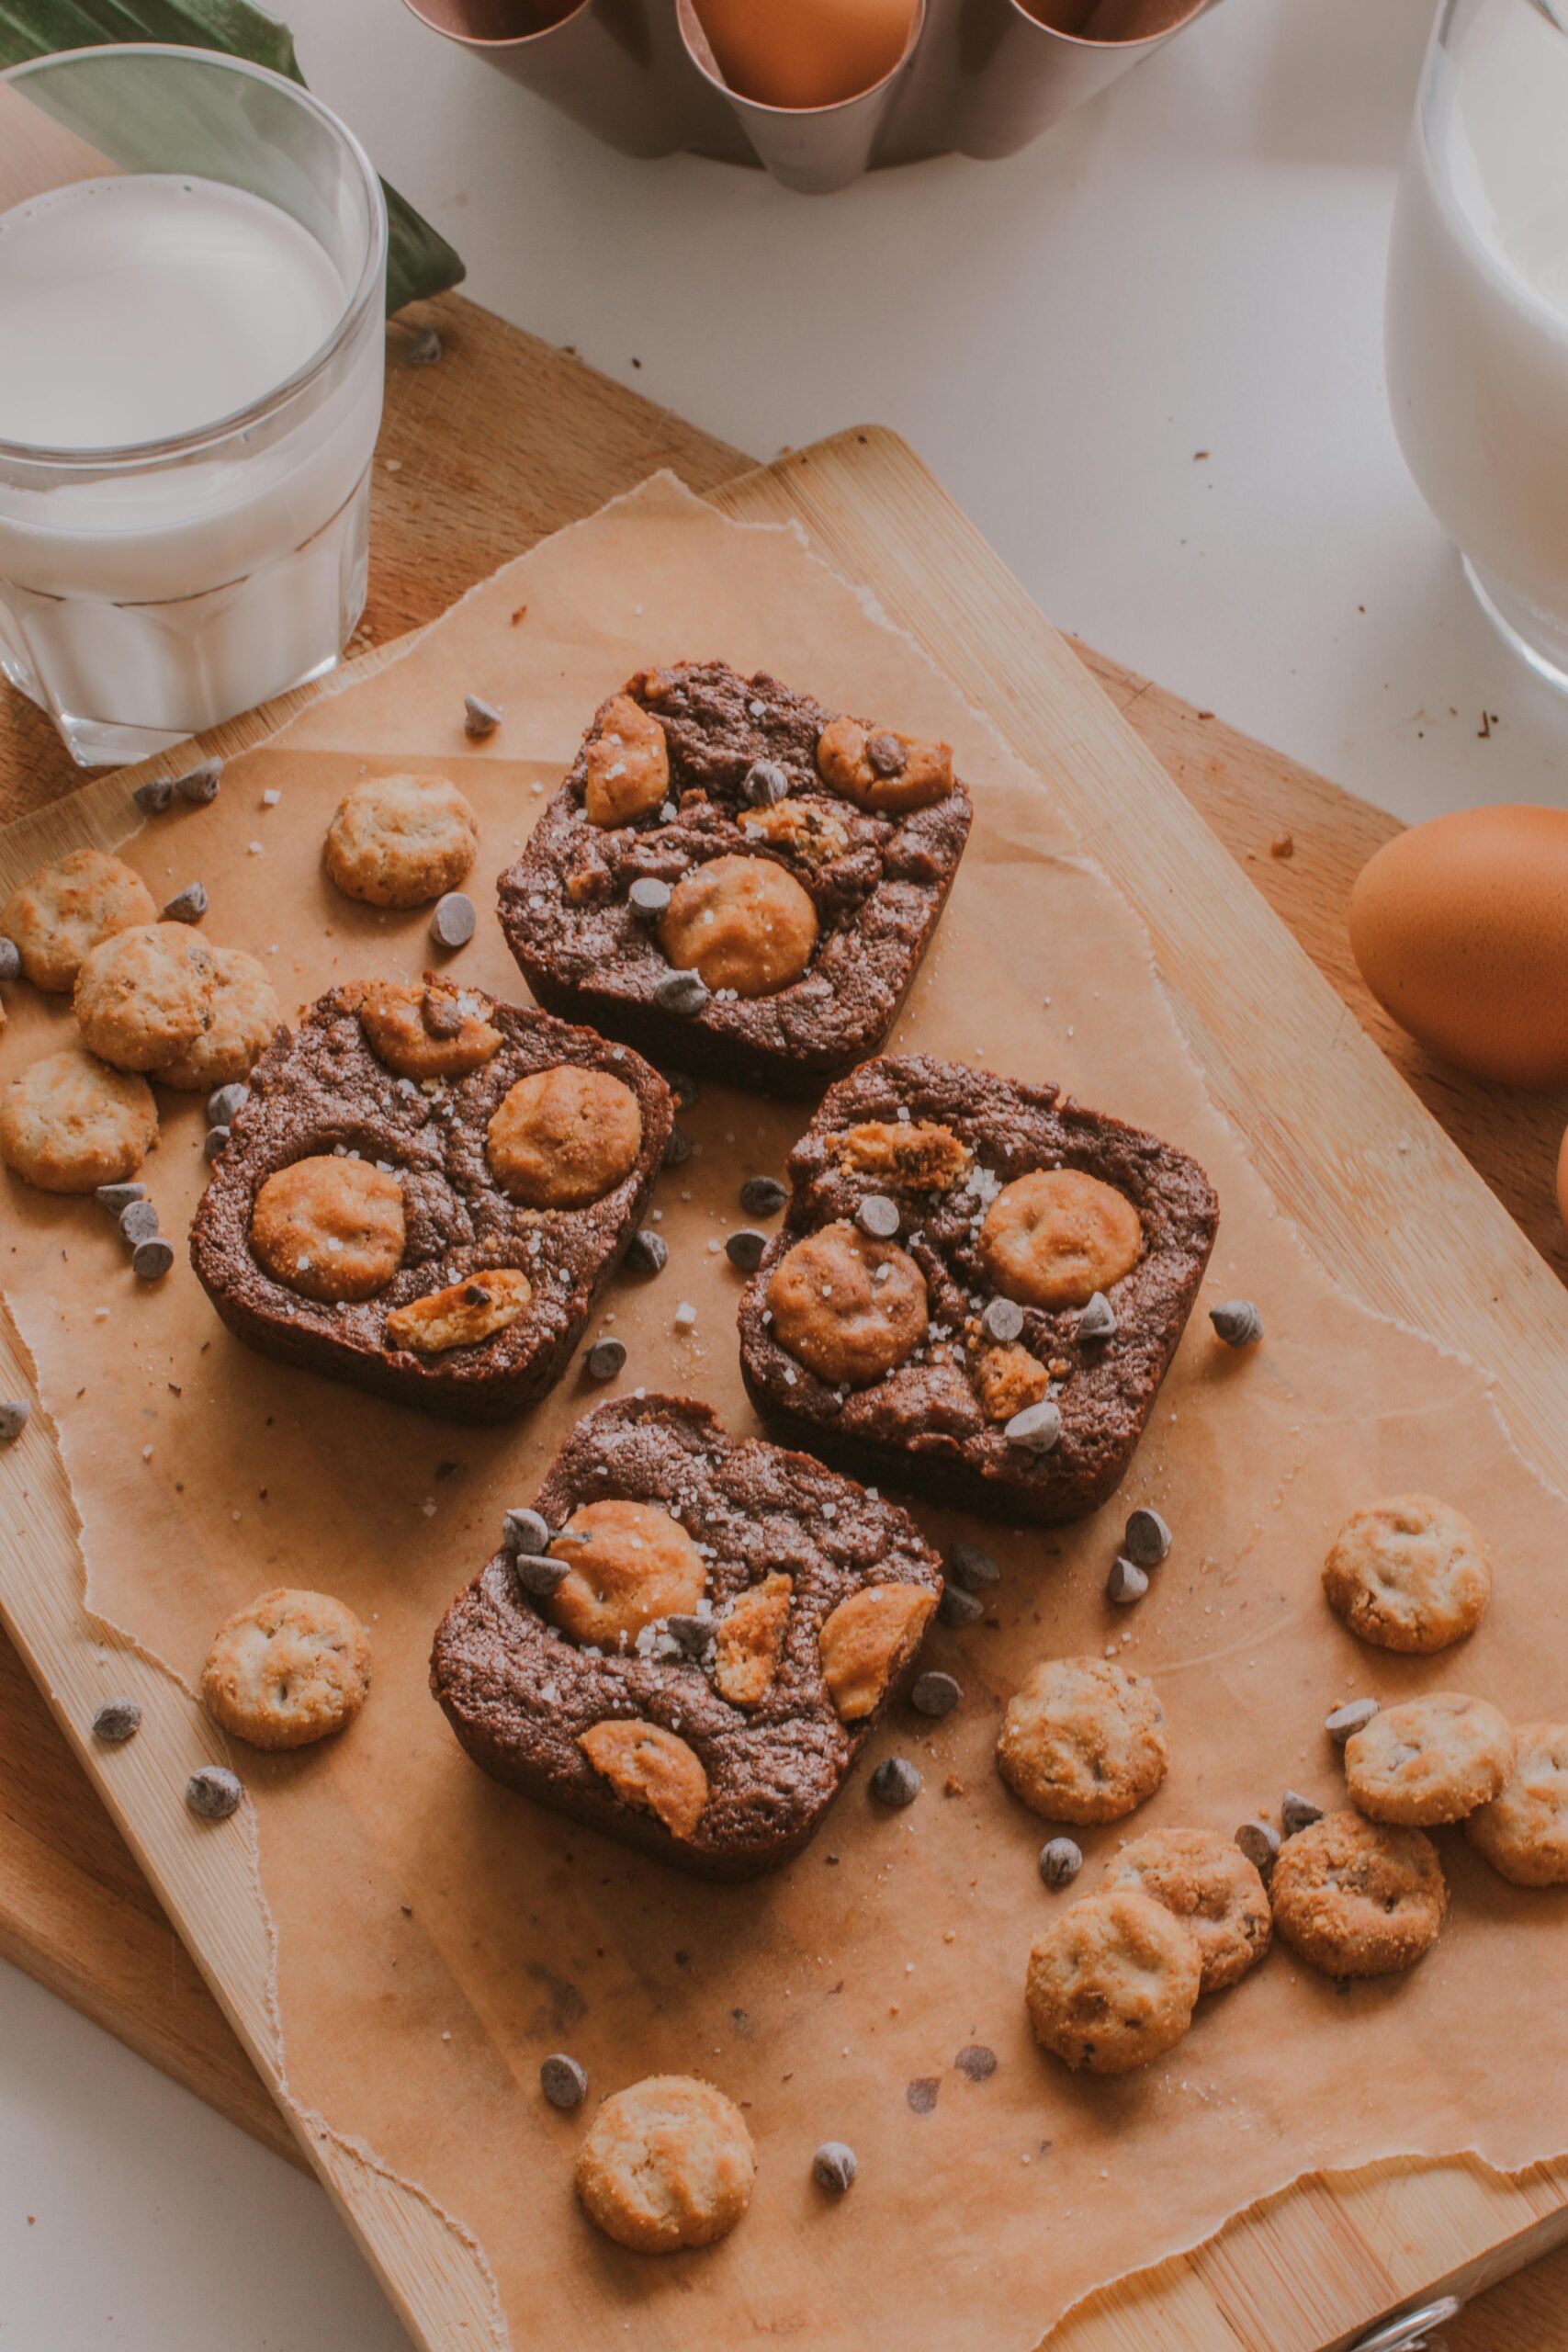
(137, 1222)
(1127, 1583)
(606, 1359)
(214, 1793)
(200, 784)
(1002, 1321)
(648, 1252)
(214, 1142)
(1297, 1813)
(1345, 1722)
(151, 1261)
(423, 349)
(648, 897)
(1237, 1322)
(188, 905)
(745, 1250)
(878, 1217)
(539, 1577)
(1260, 1844)
(524, 1531)
(690, 1634)
(1036, 1429)
(441, 1013)
(763, 1195)
(682, 993)
(765, 782)
(480, 718)
(974, 1569)
(1098, 1320)
(835, 2166)
(935, 1694)
(682, 1085)
(154, 796)
(1146, 1540)
(885, 755)
(923, 2093)
(116, 1721)
(118, 1198)
(563, 2081)
(1061, 1858)
(976, 2062)
(14, 1412)
(896, 1781)
(452, 924)
(10, 958)
(223, 1106)
(957, 1607)
(678, 1149)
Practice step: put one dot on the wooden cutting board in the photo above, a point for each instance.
(503, 441)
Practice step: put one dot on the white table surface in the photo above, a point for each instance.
(1195, 261)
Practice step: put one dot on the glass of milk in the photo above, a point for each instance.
(193, 258)
(1476, 328)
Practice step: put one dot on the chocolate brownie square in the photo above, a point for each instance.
(426, 1191)
(737, 880)
(978, 1289)
(688, 1640)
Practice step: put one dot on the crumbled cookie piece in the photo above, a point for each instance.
(651, 1769)
(1431, 1759)
(429, 1029)
(741, 923)
(868, 1640)
(848, 1307)
(749, 1641)
(61, 912)
(627, 1565)
(808, 828)
(1112, 1982)
(329, 1227)
(463, 1314)
(1408, 1574)
(400, 841)
(883, 772)
(1055, 1237)
(1523, 1832)
(667, 2163)
(68, 1124)
(290, 1668)
(628, 764)
(564, 1137)
(916, 1154)
(144, 995)
(1009, 1379)
(242, 1014)
(1083, 1740)
(1203, 1880)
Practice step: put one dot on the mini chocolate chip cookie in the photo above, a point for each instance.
(1431, 1759)
(1357, 1899)
(330, 1227)
(1112, 1982)
(846, 1307)
(741, 923)
(562, 1138)
(144, 996)
(68, 1124)
(668, 2163)
(626, 1564)
(242, 1015)
(65, 908)
(1524, 1832)
(400, 841)
(290, 1668)
(1055, 1237)
(1408, 1574)
(1206, 1882)
(1083, 1740)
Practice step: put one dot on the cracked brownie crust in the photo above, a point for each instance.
(875, 876)
(746, 1780)
(435, 1219)
(946, 1146)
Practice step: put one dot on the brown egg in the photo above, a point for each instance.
(805, 52)
(1461, 929)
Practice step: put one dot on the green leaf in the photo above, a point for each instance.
(420, 262)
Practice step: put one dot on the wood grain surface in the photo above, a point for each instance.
(505, 440)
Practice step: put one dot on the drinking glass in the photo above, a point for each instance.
(171, 575)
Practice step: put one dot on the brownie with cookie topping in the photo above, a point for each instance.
(735, 880)
(695, 1655)
(426, 1192)
(978, 1289)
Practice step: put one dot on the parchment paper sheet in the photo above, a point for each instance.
(436, 1936)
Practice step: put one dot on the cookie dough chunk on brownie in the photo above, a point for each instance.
(1112, 1982)
(736, 879)
(1408, 1574)
(668, 2163)
(697, 1658)
(924, 1317)
(426, 1193)
(1355, 1898)
(1524, 1832)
